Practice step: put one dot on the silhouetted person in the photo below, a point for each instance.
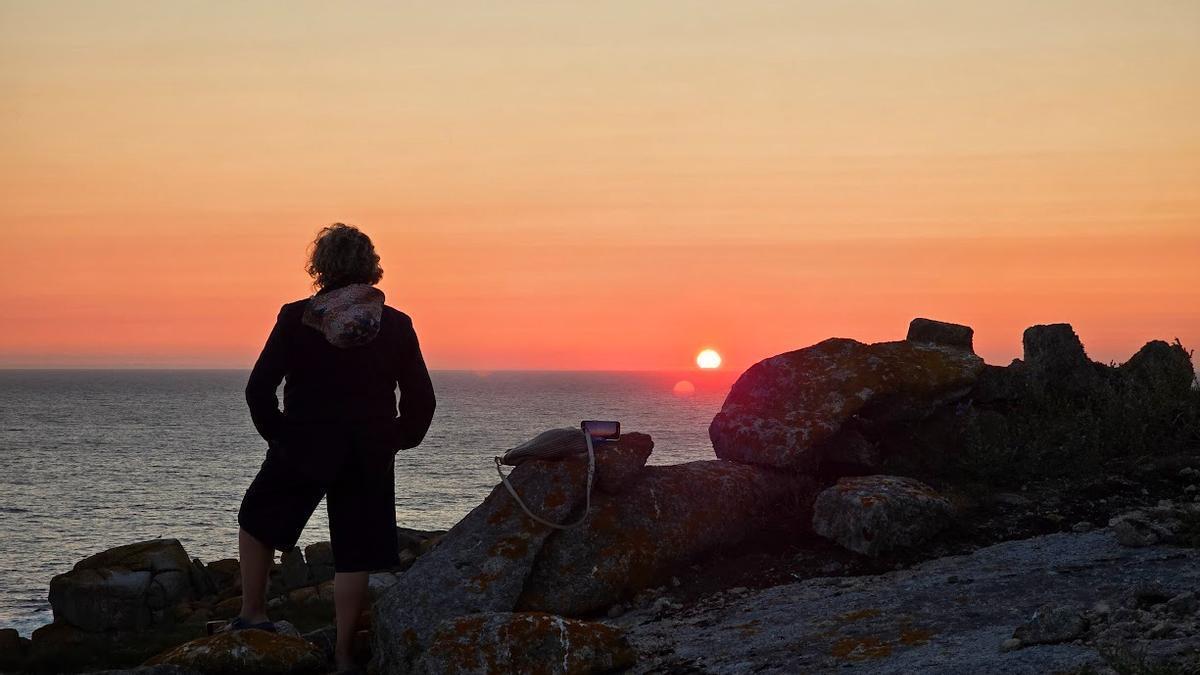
(343, 353)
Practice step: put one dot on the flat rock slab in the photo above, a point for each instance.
(525, 643)
(949, 615)
(875, 514)
(781, 409)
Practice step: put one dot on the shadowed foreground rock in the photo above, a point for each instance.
(947, 616)
(525, 643)
(671, 515)
(874, 514)
(482, 562)
(252, 652)
(782, 409)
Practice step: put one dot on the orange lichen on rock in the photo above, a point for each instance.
(245, 651)
(535, 643)
(862, 648)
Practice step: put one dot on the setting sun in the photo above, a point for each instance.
(709, 358)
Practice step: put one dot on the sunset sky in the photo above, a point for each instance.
(610, 185)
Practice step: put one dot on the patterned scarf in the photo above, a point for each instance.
(347, 316)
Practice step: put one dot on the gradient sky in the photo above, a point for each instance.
(608, 185)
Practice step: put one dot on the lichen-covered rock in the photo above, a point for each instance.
(782, 409)
(102, 599)
(946, 616)
(874, 514)
(671, 515)
(123, 588)
(619, 465)
(480, 565)
(525, 643)
(248, 652)
(941, 333)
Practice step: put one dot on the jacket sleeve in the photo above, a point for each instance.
(268, 372)
(417, 401)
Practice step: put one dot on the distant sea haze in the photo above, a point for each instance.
(93, 459)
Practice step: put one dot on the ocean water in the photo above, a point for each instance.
(94, 459)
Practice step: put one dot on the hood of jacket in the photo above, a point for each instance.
(348, 316)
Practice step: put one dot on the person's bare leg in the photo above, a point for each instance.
(255, 558)
(349, 600)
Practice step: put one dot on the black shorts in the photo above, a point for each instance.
(360, 499)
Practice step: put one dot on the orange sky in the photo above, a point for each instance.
(599, 185)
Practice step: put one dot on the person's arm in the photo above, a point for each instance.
(268, 372)
(417, 401)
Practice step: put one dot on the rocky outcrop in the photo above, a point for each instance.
(670, 516)
(652, 520)
(248, 652)
(482, 562)
(782, 410)
(874, 514)
(128, 587)
(525, 643)
(950, 615)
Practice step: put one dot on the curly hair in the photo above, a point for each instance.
(341, 254)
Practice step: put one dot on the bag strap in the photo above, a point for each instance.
(588, 499)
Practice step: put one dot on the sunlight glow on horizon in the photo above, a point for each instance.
(556, 186)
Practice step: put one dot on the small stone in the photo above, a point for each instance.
(1082, 526)
(1190, 489)
(1011, 644)
(663, 604)
(616, 611)
(1052, 624)
(292, 569)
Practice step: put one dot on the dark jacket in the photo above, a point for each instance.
(339, 399)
